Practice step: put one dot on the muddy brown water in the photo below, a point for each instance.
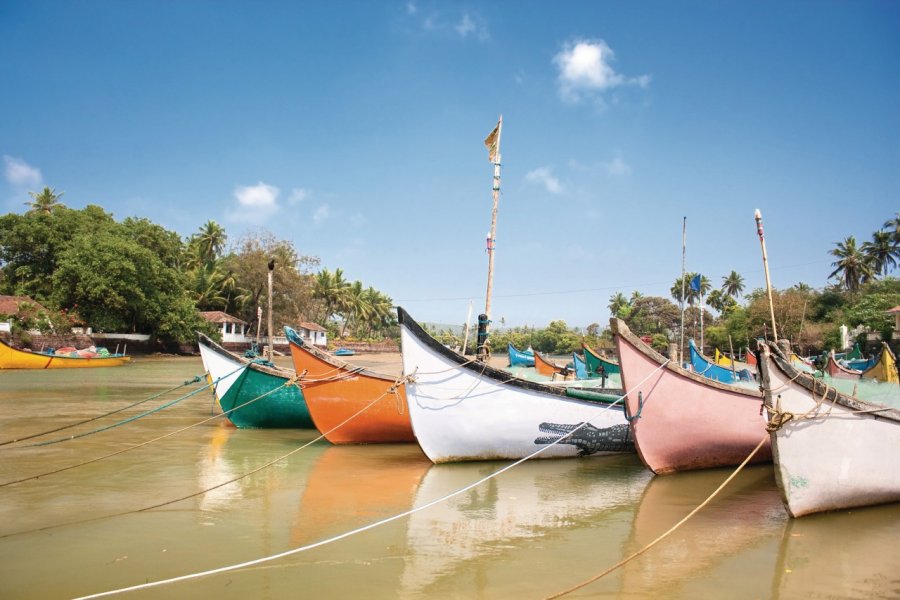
(531, 532)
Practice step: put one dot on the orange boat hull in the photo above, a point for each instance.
(350, 405)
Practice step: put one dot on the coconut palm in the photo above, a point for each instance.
(331, 289)
(851, 267)
(210, 240)
(882, 252)
(690, 295)
(733, 284)
(617, 302)
(46, 201)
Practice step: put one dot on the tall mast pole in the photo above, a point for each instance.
(683, 253)
(493, 144)
(269, 316)
(762, 242)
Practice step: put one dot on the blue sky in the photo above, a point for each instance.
(355, 130)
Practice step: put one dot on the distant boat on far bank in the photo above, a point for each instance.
(63, 358)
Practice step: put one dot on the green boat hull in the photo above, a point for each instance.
(274, 404)
(595, 361)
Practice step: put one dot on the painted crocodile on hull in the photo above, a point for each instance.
(587, 438)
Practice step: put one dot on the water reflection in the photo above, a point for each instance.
(744, 519)
(850, 554)
(449, 544)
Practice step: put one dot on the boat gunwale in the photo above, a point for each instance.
(619, 328)
(816, 387)
(833, 366)
(477, 368)
(275, 371)
(333, 361)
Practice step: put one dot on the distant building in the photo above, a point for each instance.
(12, 306)
(233, 329)
(896, 312)
(313, 333)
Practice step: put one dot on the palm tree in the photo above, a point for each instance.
(893, 226)
(331, 289)
(882, 252)
(733, 284)
(852, 268)
(210, 240)
(690, 294)
(46, 201)
(617, 302)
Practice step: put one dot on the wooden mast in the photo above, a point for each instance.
(492, 142)
(762, 242)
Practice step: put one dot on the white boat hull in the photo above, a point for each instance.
(834, 452)
(471, 411)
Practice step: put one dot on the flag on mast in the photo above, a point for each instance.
(492, 142)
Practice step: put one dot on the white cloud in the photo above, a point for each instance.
(20, 173)
(544, 176)
(260, 196)
(585, 70)
(298, 195)
(411, 8)
(474, 26)
(617, 166)
(321, 214)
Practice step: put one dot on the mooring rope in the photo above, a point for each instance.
(667, 533)
(130, 419)
(148, 442)
(373, 525)
(196, 379)
(392, 389)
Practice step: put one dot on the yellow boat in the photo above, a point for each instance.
(13, 358)
(885, 369)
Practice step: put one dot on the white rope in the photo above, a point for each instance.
(264, 559)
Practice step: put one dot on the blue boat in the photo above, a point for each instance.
(707, 368)
(344, 352)
(580, 367)
(520, 358)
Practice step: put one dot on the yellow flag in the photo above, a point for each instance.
(492, 142)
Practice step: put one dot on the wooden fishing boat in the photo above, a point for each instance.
(750, 358)
(832, 451)
(860, 364)
(253, 393)
(350, 405)
(707, 368)
(520, 358)
(885, 368)
(14, 358)
(598, 365)
(681, 420)
(546, 367)
(835, 369)
(580, 366)
(467, 410)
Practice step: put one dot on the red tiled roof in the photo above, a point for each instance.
(894, 311)
(311, 327)
(9, 305)
(217, 316)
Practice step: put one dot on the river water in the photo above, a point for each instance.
(531, 532)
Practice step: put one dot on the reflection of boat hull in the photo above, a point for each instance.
(13, 358)
(850, 556)
(463, 410)
(832, 451)
(350, 405)
(681, 420)
(510, 513)
(746, 514)
(253, 395)
(352, 486)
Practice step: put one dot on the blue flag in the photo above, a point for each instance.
(695, 283)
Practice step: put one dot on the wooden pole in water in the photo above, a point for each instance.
(731, 349)
(466, 338)
(683, 252)
(269, 316)
(492, 142)
(762, 242)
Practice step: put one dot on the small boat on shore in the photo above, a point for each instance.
(520, 358)
(546, 367)
(838, 371)
(350, 405)
(681, 420)
(832, 451)
(885, 368)
(709, 369)
(70, 358)
(580, 366)
(598, 365)
(254, 393)
(464, 410)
